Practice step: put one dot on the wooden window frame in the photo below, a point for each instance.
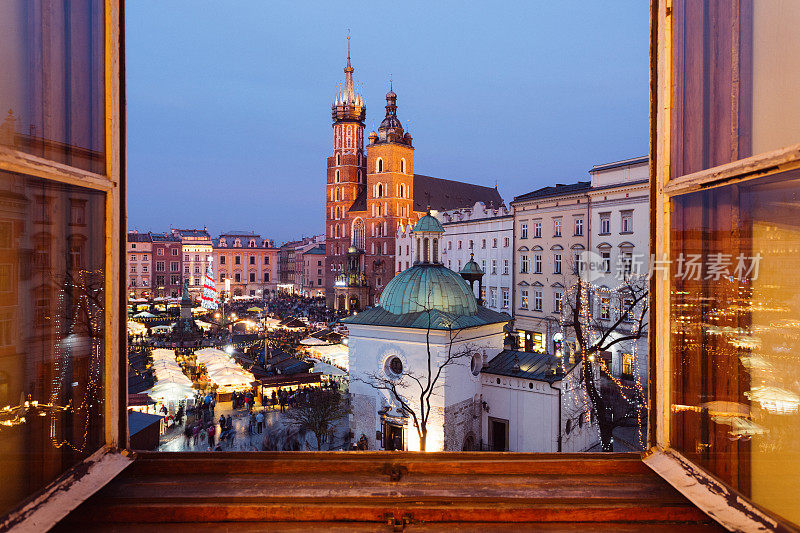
(714, 497)
(45, 508)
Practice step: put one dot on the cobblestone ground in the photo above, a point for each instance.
(281, 435)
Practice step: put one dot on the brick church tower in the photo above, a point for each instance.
(390, 193)
(346, 176)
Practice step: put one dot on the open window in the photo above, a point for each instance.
(62, 249)
(725, 206)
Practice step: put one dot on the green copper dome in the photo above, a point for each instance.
(428, 223)
(471, 267)
(428, 286)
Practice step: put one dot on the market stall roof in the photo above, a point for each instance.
(255, 310)
(313, 341)
(139, 399)
(144, 314)
(327, 369)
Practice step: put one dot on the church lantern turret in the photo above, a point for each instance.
(428, 234)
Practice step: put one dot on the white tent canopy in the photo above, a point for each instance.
(222, 371)
(144, 314)
(313, 341)
(328, 370)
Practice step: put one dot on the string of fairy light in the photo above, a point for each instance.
(632, 393)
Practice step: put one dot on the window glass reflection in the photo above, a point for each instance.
(736, 337)
(51, 89)
(51, 332)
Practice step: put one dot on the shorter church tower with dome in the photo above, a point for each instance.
(420, 352)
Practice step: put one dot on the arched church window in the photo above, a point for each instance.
(379, 165)
(338, 177)
(338, 160)
(337, 194)
(378, 190)
(358, 234)
(425, 250)
(403, 165)
(435, 250)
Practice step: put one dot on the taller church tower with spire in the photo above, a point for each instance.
(346, 176)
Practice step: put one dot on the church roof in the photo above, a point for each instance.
(428, 286)
(534, 366)
(471, 267)
(441, 195)
(428, 223)
(378, 316)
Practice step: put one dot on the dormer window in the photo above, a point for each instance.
(252, 243)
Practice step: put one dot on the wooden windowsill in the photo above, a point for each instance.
(354, 489)
(72, 488)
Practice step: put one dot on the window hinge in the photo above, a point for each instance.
(398, 525)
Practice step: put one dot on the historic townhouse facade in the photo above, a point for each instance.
(167, 265)
(196, 247)
(140, 261)
(485, 232)
(619, 233)
(248, 261)
(550, 234)
(312, 280)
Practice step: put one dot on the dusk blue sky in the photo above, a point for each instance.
(229, 103)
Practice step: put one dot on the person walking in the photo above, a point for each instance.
(210, 432)
(187, 433)
(222, 422)
(229, 423)
(195, 434)
(260, 421)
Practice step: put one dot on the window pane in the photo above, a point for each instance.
(51, 90)
(736, 337)
(51, 332)
(735, 78)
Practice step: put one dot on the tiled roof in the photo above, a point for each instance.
(558, 190)
(378, 316)
(163, 237)
(317, 250)
(192, 233)
(535, 366)
(441, 195)
(139, 237)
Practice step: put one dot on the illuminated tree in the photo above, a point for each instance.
(622, 318)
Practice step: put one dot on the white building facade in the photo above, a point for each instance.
(619, 234)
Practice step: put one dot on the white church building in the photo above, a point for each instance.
(429, 350)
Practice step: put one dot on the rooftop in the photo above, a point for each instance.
(558, 190)
(534, 366)
(624, 163)
(441, 195)
(438, 320)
